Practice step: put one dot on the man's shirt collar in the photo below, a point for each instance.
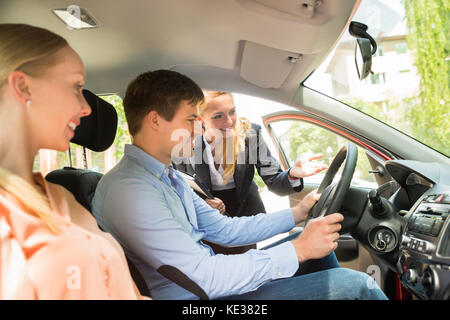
(148, 162)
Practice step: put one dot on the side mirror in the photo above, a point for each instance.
(363, 57)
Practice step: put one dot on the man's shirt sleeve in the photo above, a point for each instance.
(240, 231)
(138, 215)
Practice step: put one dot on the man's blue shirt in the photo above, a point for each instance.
(160, 221)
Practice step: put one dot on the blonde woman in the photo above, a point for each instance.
(50, 246)
(226, 156)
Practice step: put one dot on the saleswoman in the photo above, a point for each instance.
(225, 157)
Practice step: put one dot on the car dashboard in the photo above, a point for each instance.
(424, 247)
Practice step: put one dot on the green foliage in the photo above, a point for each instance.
(258, 180)
(426, 115)
(305, 138)
(122, 136)
(428, 38)
(62, 159)
(396, 114)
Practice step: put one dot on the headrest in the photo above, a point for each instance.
(98, 130)
(80, 182)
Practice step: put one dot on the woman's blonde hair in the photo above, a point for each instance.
(29, 49)
(37, 203)
(243, 125)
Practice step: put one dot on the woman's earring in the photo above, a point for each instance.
(28, 103)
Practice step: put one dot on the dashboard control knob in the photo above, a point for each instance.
(429, 247)
(405, 241)
(378, 208)
(411, 276)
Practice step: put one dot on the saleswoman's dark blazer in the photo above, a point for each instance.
(268, 168)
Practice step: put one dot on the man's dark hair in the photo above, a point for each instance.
(160, 90)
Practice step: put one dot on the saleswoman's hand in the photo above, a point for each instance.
(216, 203)
(306, 167)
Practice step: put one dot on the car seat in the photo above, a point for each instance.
(95, 132)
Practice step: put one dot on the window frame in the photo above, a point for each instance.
(374, 151)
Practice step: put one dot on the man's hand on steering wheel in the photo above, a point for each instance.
(301, 210)
(319, 238)
(323, 224)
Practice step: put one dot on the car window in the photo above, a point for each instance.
(409, 88)
(300, 139)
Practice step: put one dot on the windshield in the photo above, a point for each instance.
(409, 87)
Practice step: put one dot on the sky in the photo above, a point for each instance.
(254, 108)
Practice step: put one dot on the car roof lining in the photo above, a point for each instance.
(202, 38)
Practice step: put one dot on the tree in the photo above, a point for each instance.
(428, 38)
(258, 180)
(307, 138)
(122, 136)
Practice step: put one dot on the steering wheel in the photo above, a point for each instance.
(332, 194)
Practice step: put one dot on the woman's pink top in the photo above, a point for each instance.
(74, 264)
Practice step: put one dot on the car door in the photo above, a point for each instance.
(296, 134)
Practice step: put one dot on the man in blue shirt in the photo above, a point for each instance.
(160, 222)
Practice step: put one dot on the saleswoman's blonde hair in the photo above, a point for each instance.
(243, 125)
(31, 50)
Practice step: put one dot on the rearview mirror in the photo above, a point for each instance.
(363, 57)
(365, 47)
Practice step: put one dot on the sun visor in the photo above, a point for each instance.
(267, 67)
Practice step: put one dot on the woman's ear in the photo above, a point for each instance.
(19, 84)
